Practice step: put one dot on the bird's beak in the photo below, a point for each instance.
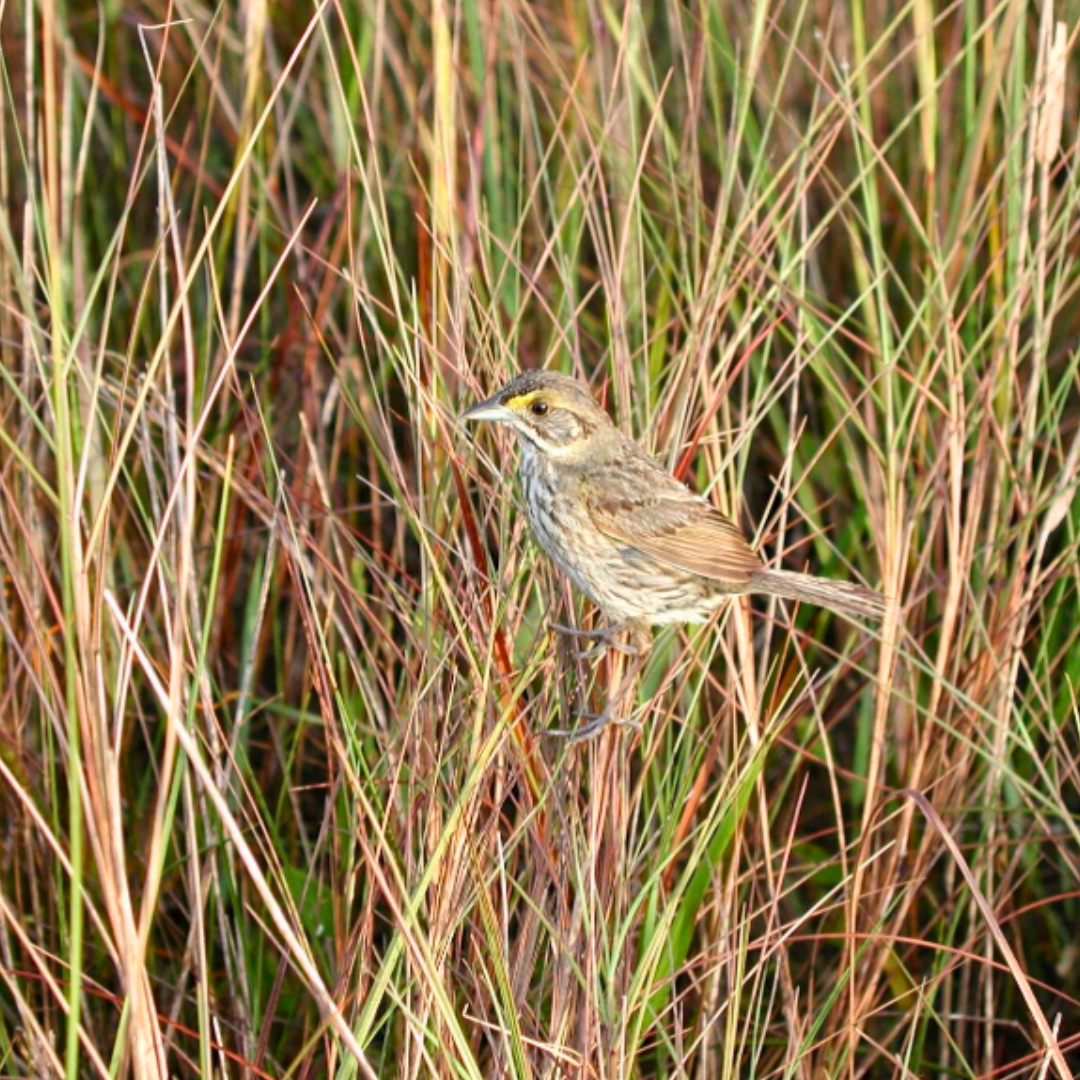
(488, 410)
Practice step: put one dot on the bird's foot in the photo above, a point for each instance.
(595, 723)
(607, 637)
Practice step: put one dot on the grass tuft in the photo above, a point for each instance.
(275, 666)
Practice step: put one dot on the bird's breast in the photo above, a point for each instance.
(607, 571)
(558, 516)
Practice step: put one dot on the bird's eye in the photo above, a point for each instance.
(539, 408)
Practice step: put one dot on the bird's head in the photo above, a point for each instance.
(554, 413)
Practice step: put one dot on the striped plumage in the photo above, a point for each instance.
(632, 538)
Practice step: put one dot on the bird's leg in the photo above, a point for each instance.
(606, 637)
(637, 650)
(596, 722)
(593, 726)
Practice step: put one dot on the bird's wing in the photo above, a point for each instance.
(646, 508)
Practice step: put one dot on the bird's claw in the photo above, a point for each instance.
(592, 652)
(606, 637)
(596, 723)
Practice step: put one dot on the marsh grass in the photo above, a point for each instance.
(275, 668)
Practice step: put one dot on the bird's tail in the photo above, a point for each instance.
(845, 597)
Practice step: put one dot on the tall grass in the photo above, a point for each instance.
(275, 663)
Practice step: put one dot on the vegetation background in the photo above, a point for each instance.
(275, 668)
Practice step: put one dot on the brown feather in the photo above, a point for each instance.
(666, 521)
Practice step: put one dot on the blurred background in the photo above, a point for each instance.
(275, 658)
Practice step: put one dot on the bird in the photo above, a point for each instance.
(634, 539)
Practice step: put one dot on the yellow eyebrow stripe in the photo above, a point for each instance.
(521, 400)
